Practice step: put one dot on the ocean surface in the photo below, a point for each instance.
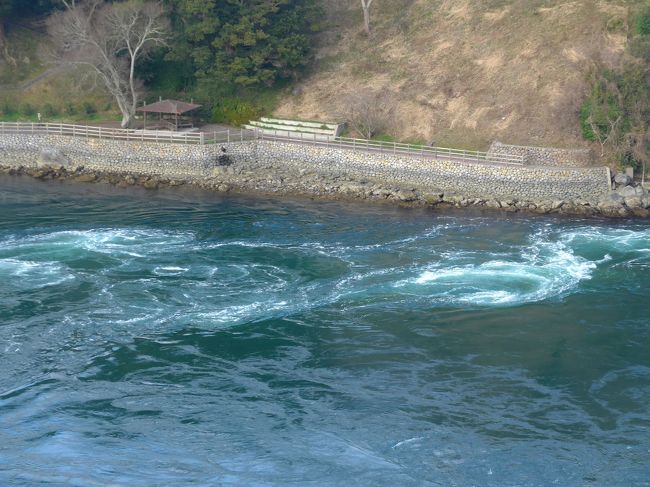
(182, 338)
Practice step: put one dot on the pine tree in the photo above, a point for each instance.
(245, 43)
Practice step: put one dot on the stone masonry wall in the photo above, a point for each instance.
(160, 159)
(266, 158)
(544, 156)
(470, 179)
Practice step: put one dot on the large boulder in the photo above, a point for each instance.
(622, 179)
(612, 200)
(646, 201)
(406, 195)
(628, 192)
(86, 178)
(53, 157)
(634, 202)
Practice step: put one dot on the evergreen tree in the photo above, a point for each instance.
(14, 9)
(245, 42)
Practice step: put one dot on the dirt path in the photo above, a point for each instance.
(26, 85)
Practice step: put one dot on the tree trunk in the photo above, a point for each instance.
(127, 114)
(366, 19)
(127, 119)
(365, 5)
(134, 95)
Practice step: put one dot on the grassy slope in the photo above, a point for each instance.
(30, 82)
(466, 72)
(458, 72)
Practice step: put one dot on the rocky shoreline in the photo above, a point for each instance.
(626, 201)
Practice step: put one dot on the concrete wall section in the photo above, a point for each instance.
(544, 156)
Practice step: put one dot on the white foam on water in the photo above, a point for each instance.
(544, 270)
(406, 442)
(23, 274)
(169, 270)
(608, 239)
(243, 313)
(137, 243)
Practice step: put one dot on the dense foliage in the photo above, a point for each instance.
(19, 8)
(643, 22)
(617, 111)
(240, 43)
(231, 55)
(230, 43)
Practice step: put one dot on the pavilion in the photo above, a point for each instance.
(171, 112)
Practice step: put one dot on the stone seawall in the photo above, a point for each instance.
(470, 179)
(159, 159)
(267, 167)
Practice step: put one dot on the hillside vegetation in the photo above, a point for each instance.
(455, 72)
(466, 72)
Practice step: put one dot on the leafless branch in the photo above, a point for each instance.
(109, 40)
(366, 112)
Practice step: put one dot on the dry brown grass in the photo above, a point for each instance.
(466, 72)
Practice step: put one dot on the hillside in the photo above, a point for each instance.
(455, 72)
(466, 72)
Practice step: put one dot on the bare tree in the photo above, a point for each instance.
(108, 40)
(367, 113)
(365, 5)
(604, 132)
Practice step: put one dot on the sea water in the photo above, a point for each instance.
(183, 338)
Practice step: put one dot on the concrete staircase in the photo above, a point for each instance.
(300, 129)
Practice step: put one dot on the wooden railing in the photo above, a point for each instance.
(85, 131)
(228, 136)
(395, 148)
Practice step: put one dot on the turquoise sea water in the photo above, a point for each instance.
(177, 338)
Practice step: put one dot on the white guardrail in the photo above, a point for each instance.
(227, 136)
(164, 136)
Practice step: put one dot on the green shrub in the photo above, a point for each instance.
(604, 110)
(88, 108)
(69, 108)
(27, 110)
(587, 131)
(385, 138)
(49, 110)
(234, 112)
(7, 108)
(643, 22)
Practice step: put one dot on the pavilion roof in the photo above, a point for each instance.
(169, 106)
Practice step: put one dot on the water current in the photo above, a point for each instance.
(179, 338)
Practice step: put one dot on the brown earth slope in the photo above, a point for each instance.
(466, 72)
